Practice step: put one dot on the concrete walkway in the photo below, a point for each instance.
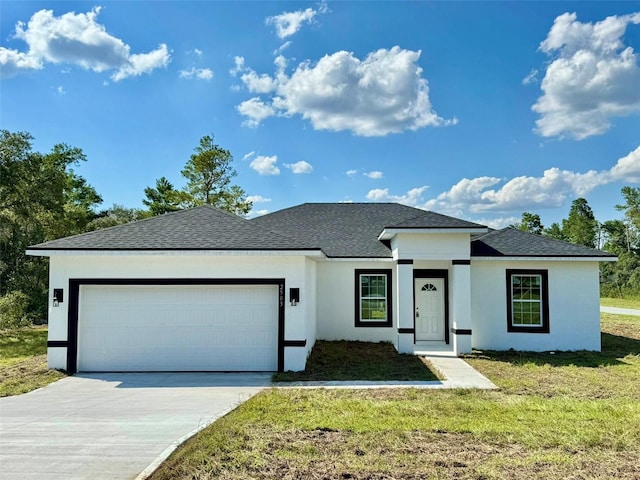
(116, 426)
(457, 372)
(620, 311)
(112, 425)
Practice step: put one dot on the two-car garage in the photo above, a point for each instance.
(176, 326)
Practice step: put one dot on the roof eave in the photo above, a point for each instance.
(550, 258)
(389, 233)
(48, 252)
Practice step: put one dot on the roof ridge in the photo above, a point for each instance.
(437, 214)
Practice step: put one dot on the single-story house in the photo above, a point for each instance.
(205, 290)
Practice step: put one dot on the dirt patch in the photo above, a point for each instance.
(326, 454)
(27, 375)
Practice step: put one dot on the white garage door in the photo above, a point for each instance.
(178, 328)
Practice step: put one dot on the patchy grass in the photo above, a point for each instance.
(612, 373)
(23, 361)
(533, 428)
(630, 302)
(343, 360)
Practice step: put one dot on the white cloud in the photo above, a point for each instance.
(258, 199)
(258, 83)
(238, 66)
(384, 93)
(13, 61)
(61, 91)
(375, 174)
(496, 223)
(77, 39)
(592, 77)
(627, 169)
(143, 63)
(288, 23)
(259, 213)
(552, 189)
(199, 73)
(256, 111)
(247, 156)
(532, 77)
(351, 173)
(282, 48)
(412, 198)
(300, 167)
(265, 165)
(197, 51)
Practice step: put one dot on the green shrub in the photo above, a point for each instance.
(13, 310)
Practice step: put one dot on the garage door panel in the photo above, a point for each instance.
(173, 328)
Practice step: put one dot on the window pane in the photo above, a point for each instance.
(373, 309)
(373, 297)
(526, 300)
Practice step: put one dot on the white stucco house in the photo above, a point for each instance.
(204, 290)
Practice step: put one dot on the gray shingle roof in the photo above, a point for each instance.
(435, 220)
(338, 229)
(352, 229)
(200, 228)
(511, 242)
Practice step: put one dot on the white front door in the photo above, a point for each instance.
(429, 313)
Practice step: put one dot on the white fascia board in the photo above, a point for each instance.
(358, 259)
(389, 233)
(175, 253)
(546, 259)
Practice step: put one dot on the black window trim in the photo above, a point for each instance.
(374, 271)
(544, 277)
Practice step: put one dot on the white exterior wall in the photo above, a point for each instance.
(574, 309)
(292, 268)
(431, 246)
(336, 302)
(460, 294)
(298, 355)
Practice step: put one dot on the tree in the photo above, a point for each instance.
(530, 223)
(116, 215)
(209, 173)
(79, 200)
(616, 236)
(631, 208)
(623, 239)
(555, 231)
(41, 198)
(235, 201)
(581, 226)
(164, 198)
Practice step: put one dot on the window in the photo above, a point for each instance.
(373, 298)
(527, 301)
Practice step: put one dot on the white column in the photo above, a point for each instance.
(461, 306)
(404, 307)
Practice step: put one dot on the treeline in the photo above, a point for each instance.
(620, 237)
(43, 198)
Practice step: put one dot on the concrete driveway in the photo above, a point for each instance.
(620, 311)
(112, 425)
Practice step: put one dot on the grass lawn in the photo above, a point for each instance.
(359, 361)
(568, 415)
(23, 361)
(621, 302)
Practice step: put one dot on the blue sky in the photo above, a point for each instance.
(473, 109)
